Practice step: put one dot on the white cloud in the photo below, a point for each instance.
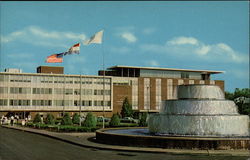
(152, 63)
(129, 37)
(192, 47)
(183, 40)
(224, 47)
(126, 33)
(12, 36)
(203, 50)
(38, 36)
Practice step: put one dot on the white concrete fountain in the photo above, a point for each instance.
(200, 110)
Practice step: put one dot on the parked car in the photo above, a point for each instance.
(129, 120)
(99, 119)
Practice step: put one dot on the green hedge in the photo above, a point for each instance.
(128, 125)
(99, 124)
(61, 128)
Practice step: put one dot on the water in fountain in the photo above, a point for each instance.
(200, 110)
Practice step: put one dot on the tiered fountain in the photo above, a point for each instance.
(200, 110)
(200, 118)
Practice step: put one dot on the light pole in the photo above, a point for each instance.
(80, 107)
(148, 99)
(103, 126)
(63, 94)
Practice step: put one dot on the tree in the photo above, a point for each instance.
(66, 119)
(76, 118)
(115, 121)
(229, 95)
(245, 92)
(241, 99)
(143, 120)
(126, 109)
(90, 121)
(37, 118)
(50, 119)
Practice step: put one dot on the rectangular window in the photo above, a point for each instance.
(191, 81)
(3, 89)
(76, 91)
(4, 78)
(58, 102)
(212, 82)
(184, 75)
(147, 93)
(1, 78)
(76, 103)
(202, 82)
(170, 89)
(68, 91)
(158, 94)
(3, 102)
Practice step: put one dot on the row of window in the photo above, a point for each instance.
(19, 102)
(24, 102)
(49, 79)
(66, 91)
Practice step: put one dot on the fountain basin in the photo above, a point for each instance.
(140, 137)
(201, 125)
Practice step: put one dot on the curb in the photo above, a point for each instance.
(120, 148)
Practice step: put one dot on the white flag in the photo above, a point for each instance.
(97, 38)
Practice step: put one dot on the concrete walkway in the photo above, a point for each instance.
(88, 140)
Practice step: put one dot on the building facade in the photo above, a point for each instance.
(51, 91)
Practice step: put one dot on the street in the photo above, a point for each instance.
(20, 145)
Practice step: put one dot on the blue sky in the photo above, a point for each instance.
(188, 35)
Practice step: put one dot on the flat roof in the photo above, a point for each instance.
(56, 75)
(167, 69)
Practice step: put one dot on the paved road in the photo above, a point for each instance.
(19, 145)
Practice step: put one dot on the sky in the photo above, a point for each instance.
(203, 35)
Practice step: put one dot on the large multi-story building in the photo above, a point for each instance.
(51, 91)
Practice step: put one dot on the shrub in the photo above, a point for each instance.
(68, 128)
(37, 118)
(143, 120)
(76, 129)
(128, 125)
(50, 119)
(115, 121)
(66, 120)
(76, 118)
(126, 109)
(90, 121)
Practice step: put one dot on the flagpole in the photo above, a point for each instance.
(80, 99)
(63, 94)
(103, 112)
(97, 38)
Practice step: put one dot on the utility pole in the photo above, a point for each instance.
(103, 104)
(63, 94)
(80, 123)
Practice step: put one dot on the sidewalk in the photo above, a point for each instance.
(88, 140)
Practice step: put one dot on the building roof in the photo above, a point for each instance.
(56, 75)
(167, 69)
